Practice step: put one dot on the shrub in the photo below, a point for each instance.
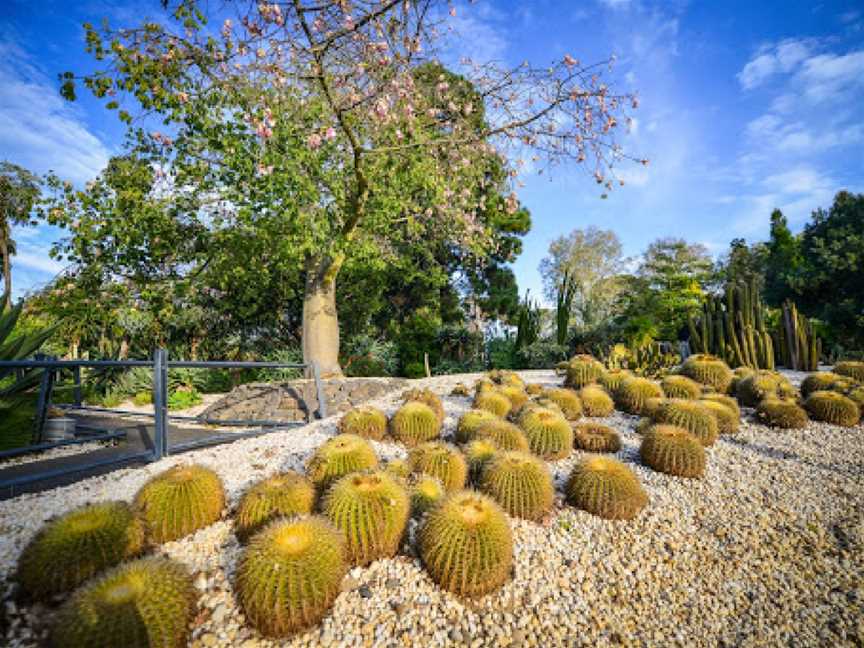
(672, 450)
(763, 384)
(470, 422)
(147, 602)
(442, 461)
(595, 437)
(520, 483)
(595, 401)
(727, 420)
(567, 400)
(504, 435)
(549, 434)
(540, 355)
(143, 398)
(339, 456)
(851, 368)
(833, 408)
(677, 386)
(634, 392)
(290, 574)
(414, 423)
(784, 414)
(425, 491)
(184, 398)
(365, 421)
(693, 416)
(286, 494)
(426, 396)
(478, 453)
(583, 370)
(466, 544)
(179, 501)
(68, 550)
(606, 488)
(493, 401)
(371, 509)
(708, 370)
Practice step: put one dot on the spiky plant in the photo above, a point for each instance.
(567, 400)
(708, 370)
(371, 509)
(786, 414)
(503, 377)
(460, 389)
(425, 491)
(543, 403)
(596, 401)
(466, 544)
(470, 422)
(612, 379)
(672, 450)
(651, 406)
(534, 389)
(442, 461)
(520, 483)
(833, 408)
(634, 392)
(723, 399)
(818, 381)
(68, 550)
(727, 420)
(398, 468)
(290, 574)
(549, 434)
(693, 416)
(285, 494)
(179, 501)
(366, 421)
(478, 453)
(426, 396)
(595, 437)
(856, 395)
(852, 368)
(643, 425)
(678, 386)
(763, 384)
(146, 602)
(606, 488)
(338, 456)
(739, 374)
(504, 434)
(483, 384)
(414, 423)
(516, 395)
(583, 370)
(493, 401)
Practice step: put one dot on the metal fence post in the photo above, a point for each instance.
(76, 374)
(160, 403)
(44, 399)
(319, 388)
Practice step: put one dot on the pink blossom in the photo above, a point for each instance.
(330, 133)
(314, 141)
(452, 11)
(569, 61)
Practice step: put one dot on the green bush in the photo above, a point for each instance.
(184, 398)
(543, 354)
(365, 355)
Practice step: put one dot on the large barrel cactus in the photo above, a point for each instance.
(723, 399)
(426, 396)
(583, 370)
(693, 416)
(470, 421)
(285, 494)
(466, 544)
(833, 408)
(708, 370)
(635, 392)
(442, 461)
(516, 395)
(425, 491)
(785, 414)
(503, 434)
(415, 423)
(762, 384)
(612, 379)
(672, 450)
(339, 456)
(607, 488)
(596, 401)
(595, 437)
(478, 453)
(677, 386)
(493, 401)
(567, 400)
(549, 434)
(727, 420)
(365, 421)
(851, 368)
(520, 483)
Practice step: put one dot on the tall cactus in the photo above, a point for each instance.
(798, 347)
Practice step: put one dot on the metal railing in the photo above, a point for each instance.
(160, 447)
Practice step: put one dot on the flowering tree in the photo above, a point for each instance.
(335, 115)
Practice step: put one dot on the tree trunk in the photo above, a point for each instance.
(7, 269)
(320, 321)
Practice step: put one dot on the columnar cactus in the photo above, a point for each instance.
(70, 549)
(677, 386)
(493, 401)
(442, 461)
(851, 368)
(371, 509)
(478, 453)
(290, 574)
(595, 437)
(567, 400)
(146, 602)
(426, 396)
(672, 450)
(583, 370)
(596, 401)
(549, 434)
(425, 491)
(833, 408)
(470, 422)
(285, 494)
(633, 394)
(366, 421)
(607, 488)
(179, 501)
(339, 456)
(520, 483)
(779, 413)
(693, 416)
(415, 423)
(708, 370)
(466, 544)
(727, 420)
(504, 435)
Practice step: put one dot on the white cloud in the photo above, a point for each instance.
(615, 4)
(781, 58)
(37, 260)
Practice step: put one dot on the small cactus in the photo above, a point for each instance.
(503, 377)
(534, 389)
(786, 414)
(426, 396)
(856, 395)
(484, 384)
(708, 370)
(520, 483)
(693, 416)
(478, 453)
(723, 399)
(466, 544)
(493, 401)
(371, 509)
(71, 549)
(739, 374)
(567, 400)
(727, 420)
(504, 435)
(606, 488)
(677, 386)
(633, 393)
(442, 461)
(146, 602)
(852, 368)
(460, 389)
(397, 468)
(516, 395)
(285, 494)
(596, 401)
(672, 450)
(179, 501)
(583, 370)
(763, 384)
(339, 456)
(414, 423)
(549, 434)
(595, 437)
(425, 491)
(833, 408)
(470, 422)
(364, 421)
(612, 379)
(290, 574)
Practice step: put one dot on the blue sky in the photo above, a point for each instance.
(745, 106)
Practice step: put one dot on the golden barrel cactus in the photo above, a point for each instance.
(285, 494)
(606, 488)
(520, 483)
(672, 450)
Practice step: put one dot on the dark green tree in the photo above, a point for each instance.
(782, 262)
(19, 191)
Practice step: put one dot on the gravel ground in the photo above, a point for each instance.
(767, 549)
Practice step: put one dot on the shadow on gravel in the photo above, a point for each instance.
(784, 455)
